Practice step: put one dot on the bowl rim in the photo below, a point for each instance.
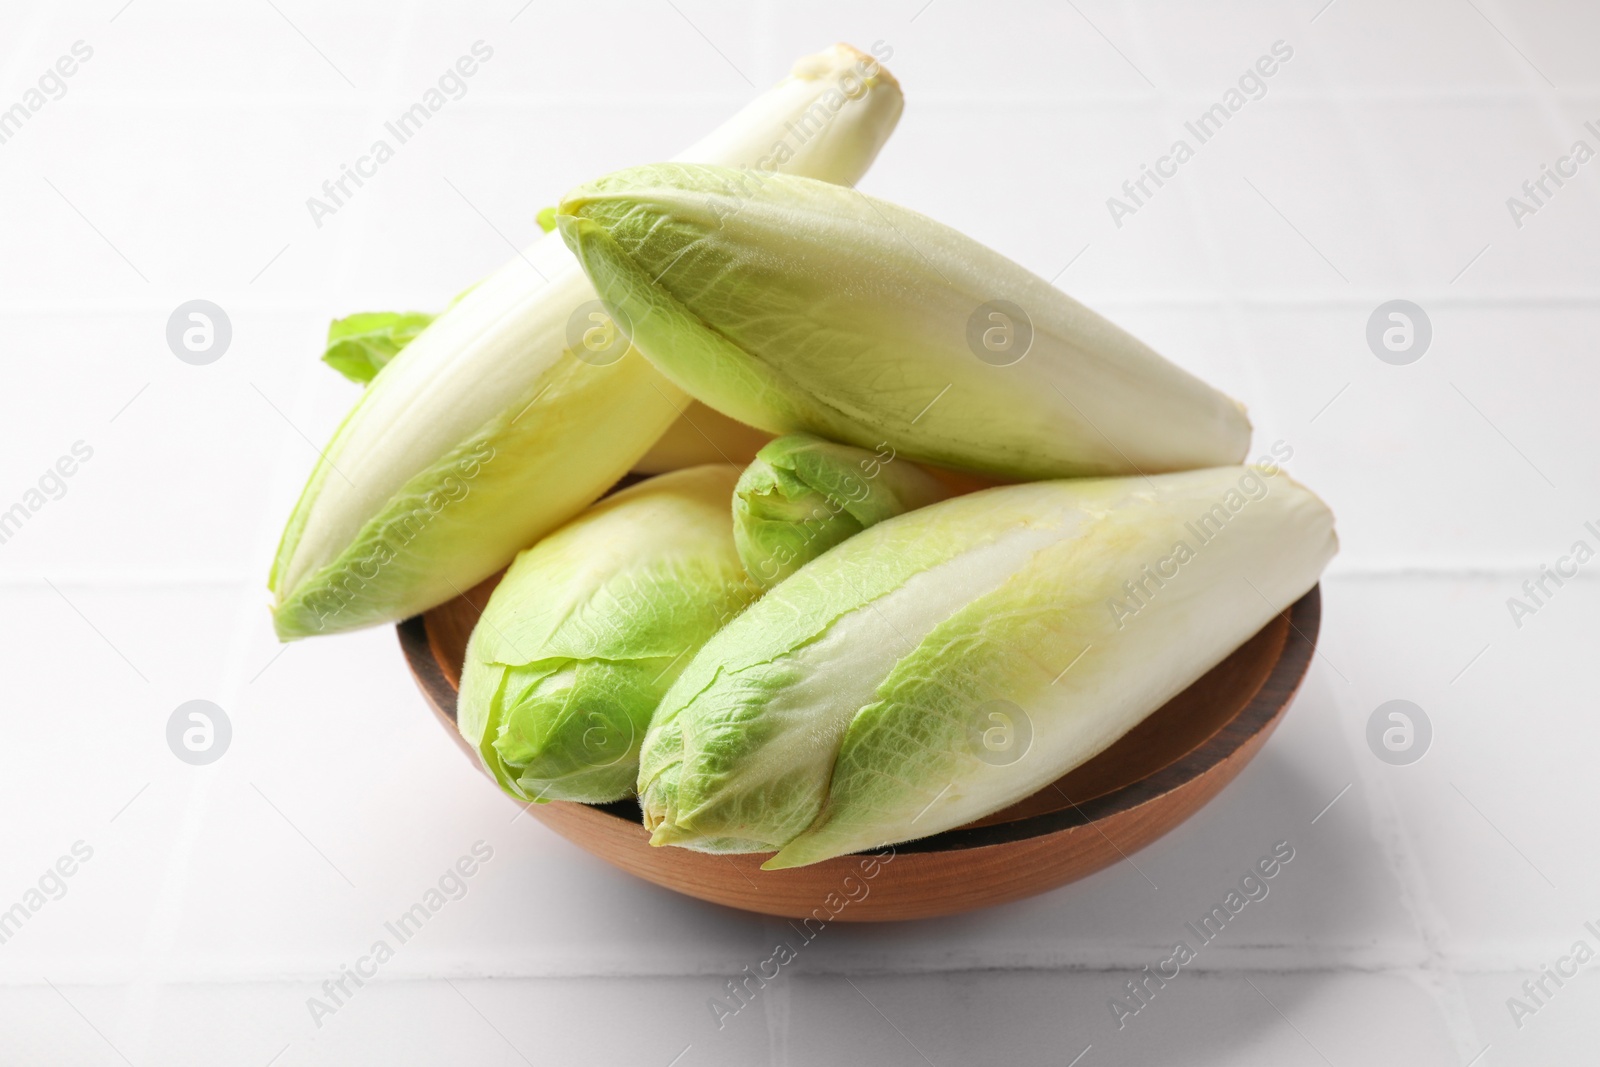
(1274, 694)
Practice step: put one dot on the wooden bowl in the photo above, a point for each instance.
(1151, 780)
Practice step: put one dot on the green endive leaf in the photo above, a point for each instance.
(590, 627)
(793, 305)
(952, 660)
(360, 345)
(803, 495)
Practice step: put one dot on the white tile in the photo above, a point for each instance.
(1361, 184)
(986, 170)
(966, 51)
(1526, 1028)
(464, 188)
(1410, 457)
(283, 49)
(610, 49)
(205, 194)
(181, 454)
(1485, 811)
(798, 1019)
(1050, 1018)
(1368, 44)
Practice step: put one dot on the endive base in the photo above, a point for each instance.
(1162, 772)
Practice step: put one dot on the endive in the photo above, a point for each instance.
(361, 345)
(520, 404)
(948, 662)
(803, 495)
(792, 305)
(589, 627)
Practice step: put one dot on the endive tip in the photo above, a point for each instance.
(828, 63)
(803, 851)
(651, 812)
(290, 623)
(566, 217)
(670, 834)
(578, 233)
(1333, 530)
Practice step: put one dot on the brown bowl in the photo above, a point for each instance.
(1162, 772)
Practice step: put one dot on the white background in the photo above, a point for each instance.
(1377, 167)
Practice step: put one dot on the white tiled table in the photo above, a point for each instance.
(218, 899)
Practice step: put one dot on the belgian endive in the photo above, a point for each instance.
(361, 345)
(520, 404)
(803, 495)
(948, 662)
(589, 628)
(792, 304)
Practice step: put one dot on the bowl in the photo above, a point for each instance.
(1154, 778)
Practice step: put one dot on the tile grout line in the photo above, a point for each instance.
(1438, 978)
(1402, 965)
